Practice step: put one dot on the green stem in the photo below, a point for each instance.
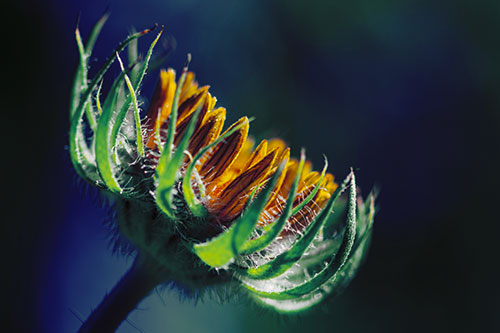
(144, 275)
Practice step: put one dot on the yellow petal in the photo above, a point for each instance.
(191, 103)
(285, 156)
(186, 111)
(330, 185)
(235, 195)
(209, 131)
(290, 173)
(239, 163)
(161, 102)
(257, 155)
(308, 182)
(224, 154)
(189, 87)
(276, 143)
(208, 106)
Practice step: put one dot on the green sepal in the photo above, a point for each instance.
(80, 80)
(103, 148)
(106, 154)
(366, 212)
(108, 117)
(111, 99)
(133, 57)
(332, 268)
(94, 33)
(222, 249)
(120, 117)
(77, 145)
(272, 230)
(138, 128)
(82, 72)
(86, 169)
(284, 261)
(167, 168)
(170, 166)
(336, 221)
(330, 288)
(98, 99)
(106, 137)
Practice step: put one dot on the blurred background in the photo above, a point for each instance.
(406, 92)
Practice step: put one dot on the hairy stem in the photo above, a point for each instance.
(144, 275)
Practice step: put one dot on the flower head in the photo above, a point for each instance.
(211, 205)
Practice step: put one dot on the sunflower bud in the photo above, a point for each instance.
(205, 204)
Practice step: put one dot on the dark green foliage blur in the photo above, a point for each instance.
(406, 92)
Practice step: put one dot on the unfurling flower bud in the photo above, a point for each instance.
(203, 204)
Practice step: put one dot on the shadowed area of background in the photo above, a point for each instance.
(406, 92)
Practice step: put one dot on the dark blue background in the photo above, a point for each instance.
(407, 92)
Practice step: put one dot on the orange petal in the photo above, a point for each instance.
(239, 164)
(188, 88)
(161, 102)
(306, 170)
(207, 114)
(211, 101)
(209, 131)
(285, 155)
(257, 155)
(290, 176)
(208, 106)
(276, 143)
(224, 154)
(187, 110)
(330, 185)
(291, 172)
(234, 197)
(307, 183)
(191, 103)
